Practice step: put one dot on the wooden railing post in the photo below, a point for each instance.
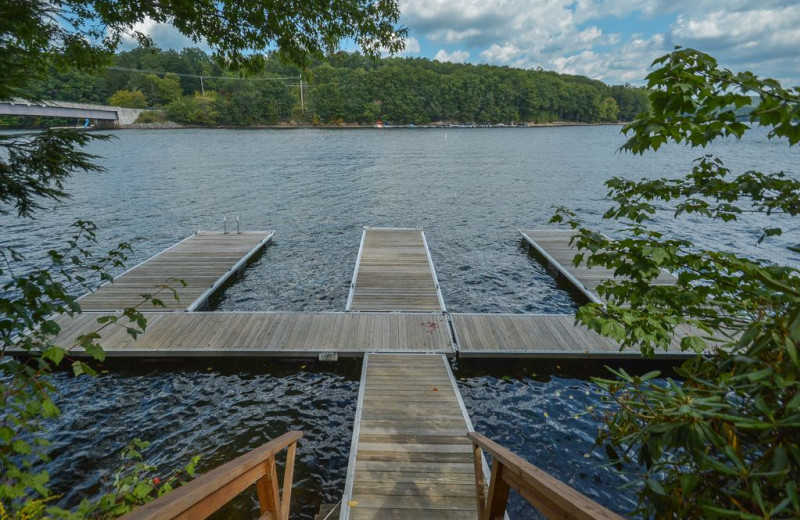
(480, 479)
(553, 498)
(267, 488)
(288, 477)
(497, 500)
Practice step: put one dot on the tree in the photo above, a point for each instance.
(195, 110)
(37, 36)
(608, 110)
(723, 442)
(128, 99)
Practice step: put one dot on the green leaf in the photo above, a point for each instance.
(655, 487)
(54, 354)
(21, 447)
(694, 343)
(49, 409)
(80, 368)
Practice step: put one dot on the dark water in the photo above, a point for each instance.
(214, 409)
(470, 189)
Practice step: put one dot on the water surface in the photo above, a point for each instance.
(470, 189)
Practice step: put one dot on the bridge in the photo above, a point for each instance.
(103, 116)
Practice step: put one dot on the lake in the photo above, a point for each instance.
(469, 189)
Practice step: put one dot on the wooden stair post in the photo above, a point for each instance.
(553, 498)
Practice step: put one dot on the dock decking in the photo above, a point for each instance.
(540, 335)
(554, 246)
(295, 334)
(394, 272)
(394, 280)
(410, 456)
(204, 261)
(198, 334)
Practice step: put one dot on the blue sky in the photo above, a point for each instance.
(611, 40)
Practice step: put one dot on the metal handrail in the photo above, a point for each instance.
(238, 225)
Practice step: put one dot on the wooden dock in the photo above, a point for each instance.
(394, 280)
(554, 336)
(199, 334)
(394, 272)
(410, 457)
(204, 261)
(554, 246)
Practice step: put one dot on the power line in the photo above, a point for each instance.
(203, 76)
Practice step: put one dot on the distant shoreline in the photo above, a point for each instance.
(353, 126)
(169, 125)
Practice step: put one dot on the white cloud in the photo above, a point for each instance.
(627, 64)
(599, 37)
(505, 54)
(165, 36)
(454, 57)
(764, 40)
(412, 47)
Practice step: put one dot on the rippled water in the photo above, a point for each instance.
(214, 409)
(541, 409)
(470, 189)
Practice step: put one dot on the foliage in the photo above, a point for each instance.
(352, 88)
(159, 91)
(195, 110)
(128, 99)
(134, 485)
(151, 116)
(723, 442)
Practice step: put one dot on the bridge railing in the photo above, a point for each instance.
(550, 496)
(203, 496)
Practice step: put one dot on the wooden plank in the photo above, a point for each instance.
(554, 246)
(394, 272)
(190, 334)
(409, 451)
(204, 260)
(541, 335)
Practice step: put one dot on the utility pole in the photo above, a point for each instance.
(202, 87)
(302, 102)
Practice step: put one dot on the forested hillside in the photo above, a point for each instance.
(342, 89)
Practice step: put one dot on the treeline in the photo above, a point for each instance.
(344, 88)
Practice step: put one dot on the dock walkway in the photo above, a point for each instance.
(410, 456)
(204, 261)
(394, 272)
(554, 246)
(295, 334)
(553, 336)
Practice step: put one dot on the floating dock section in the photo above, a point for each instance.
(410, 457)
(554, 246)
(199, 334)
(394, 280)
(554, 336)
(394, 272)
(204, 261)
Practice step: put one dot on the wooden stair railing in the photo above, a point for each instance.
(550, 496)
(202, 496)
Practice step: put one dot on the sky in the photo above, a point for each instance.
(611, 40)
